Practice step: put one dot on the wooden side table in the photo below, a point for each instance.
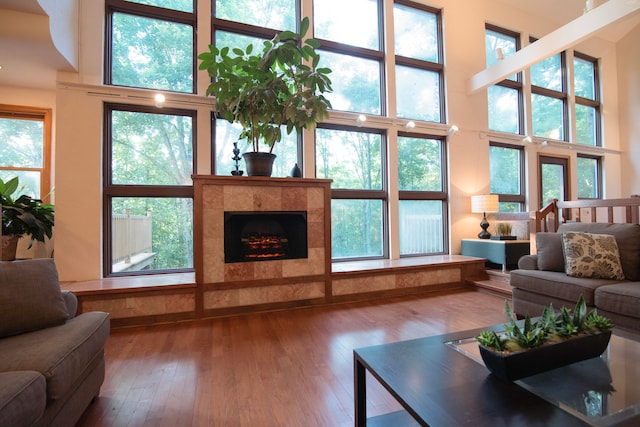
(504, 252)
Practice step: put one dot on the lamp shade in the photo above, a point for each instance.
(484, 203)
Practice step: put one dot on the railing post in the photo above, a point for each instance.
(127, 259)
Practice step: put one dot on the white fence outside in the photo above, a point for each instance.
(421, 234)
(131, 236)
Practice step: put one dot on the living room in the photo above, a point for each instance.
(70, 83)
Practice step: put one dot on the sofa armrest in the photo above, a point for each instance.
(71, 300)
(528, 262)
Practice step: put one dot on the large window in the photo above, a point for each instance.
(354, 160)
(587, 97)
(506, 163)
(148, 192)
(151, 44)
(423, 200)
(549, 98)
(504, 98)
(589, 176)
(26, 137)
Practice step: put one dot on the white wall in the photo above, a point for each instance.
(78, 117)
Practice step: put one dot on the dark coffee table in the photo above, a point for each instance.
(441, 381)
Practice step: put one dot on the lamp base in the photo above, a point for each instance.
(484, 224)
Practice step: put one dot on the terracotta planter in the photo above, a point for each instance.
(520, 364)
(259, 163)
(9, 245)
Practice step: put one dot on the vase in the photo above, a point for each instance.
(9, 246)
(511, 366)
(258, 163)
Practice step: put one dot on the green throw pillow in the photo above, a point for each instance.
(591, 255)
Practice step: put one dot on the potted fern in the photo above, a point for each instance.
(22, 215)
(279, 86)
(554, 340)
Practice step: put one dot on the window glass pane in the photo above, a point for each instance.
(353, 22)
(276, 14)
(355, 81)
(584, 78)
(356, 228)
(419, 164)
(226, 39)
(181, 5)
(552, 182)
(494, 41)
(509, 207)
(151, 233)
(504, 166)
(587, 178)
(418, 94)
(151, 149)
(22, 143)
(585, 125)
(351, 159)
(421, 229)
(286, 151)
(547, 117)
(151, 53)
(503, 109)
(548, 73)
(416, 33)
(29, 182)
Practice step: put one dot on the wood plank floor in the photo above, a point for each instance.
(285, 368)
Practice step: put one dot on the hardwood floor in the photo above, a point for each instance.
(285, 368)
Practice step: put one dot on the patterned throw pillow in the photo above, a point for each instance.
(591, 255)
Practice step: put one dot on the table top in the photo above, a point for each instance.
(441, 385)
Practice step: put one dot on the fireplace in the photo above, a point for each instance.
(264, 236)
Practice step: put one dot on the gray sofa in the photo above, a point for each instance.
(541, 278)
(51, 361)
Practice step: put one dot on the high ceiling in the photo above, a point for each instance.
(29, 56)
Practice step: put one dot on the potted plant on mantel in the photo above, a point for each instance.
(264, 91)
(23, 215)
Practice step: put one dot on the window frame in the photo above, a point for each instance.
(599, 175)
(593, 103)
(521, 198)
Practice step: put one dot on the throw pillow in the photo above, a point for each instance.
(549, 250)
(30, 296)
(591, 255)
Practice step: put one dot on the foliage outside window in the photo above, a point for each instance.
(554, 179)
(505, 106)
(549, 98)
(148, 189)
(423, 201)
(419, 69)
(589, 176)
(587, 98)
(506, 165)
(354, 161)
(26, 137)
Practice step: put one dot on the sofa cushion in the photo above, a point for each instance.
(549, 251)
(628, 239)
(622, 298)
(61, 353)
(30, 296)
(23, 398)
(557, 285)
(591, 256)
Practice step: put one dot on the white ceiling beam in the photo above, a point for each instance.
(558, 40)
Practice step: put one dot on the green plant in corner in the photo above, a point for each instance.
(23, 214)
(263, 91)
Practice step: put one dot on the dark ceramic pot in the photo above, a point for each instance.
(259, 163)
(520, 364)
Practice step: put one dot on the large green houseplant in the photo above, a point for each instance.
(264, 91)
(22, 215)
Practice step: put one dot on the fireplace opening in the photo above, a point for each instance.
(264, 236)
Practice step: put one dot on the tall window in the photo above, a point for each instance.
(352, 47)
(549, 98)
(240, 23)
(587, 98)
(148, 192)
(151, 44)
(506, 163)
(26, 137)
(423, 200)
(419, 68)
(354, 160)
(589, 176)
(506, 112)
(553, 176)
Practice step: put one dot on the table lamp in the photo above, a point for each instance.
(483, 204)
